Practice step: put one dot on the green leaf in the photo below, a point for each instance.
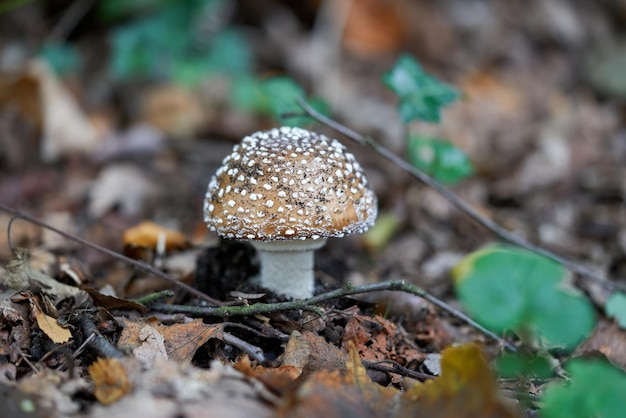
(439, 158)
(615, 307)
(596, 389)
(507, 288)
(515, 365)
(421, 96)
(63, 58)
(282, 93)
(247, 94)
(172, 43)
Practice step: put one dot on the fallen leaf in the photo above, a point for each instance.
(110, 378)
(55, 390)
(19, 274)
(179, 340)
(376, 339)
(466, 388)
(609, 339)
(113, 302)
(374, 26)
(279, 379)
(66, 129)
(174, 110)
(50, 326)
(152, 346)
(309, 352)
(123, 185)
(340, 393)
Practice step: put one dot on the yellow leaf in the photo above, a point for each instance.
(51, 328)
(110, 378)
(466, 388)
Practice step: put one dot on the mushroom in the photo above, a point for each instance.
(286, 191)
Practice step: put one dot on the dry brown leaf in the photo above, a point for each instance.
(50, 327)
(66, 129)
(309, 352)
(123, 185)
(608, 339)
(147, 234)
(279, 380)
(375, 26)
(335, 393)
(110, 378)
(466, 389)
(376, 339)
(174, 110)
(152, 346)
(19, 274)
(180, 340)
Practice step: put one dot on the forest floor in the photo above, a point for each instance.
(124, 163)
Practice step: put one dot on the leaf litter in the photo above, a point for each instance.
(547, 165)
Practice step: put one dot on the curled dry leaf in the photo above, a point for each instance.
(110, 378)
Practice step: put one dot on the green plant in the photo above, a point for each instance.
(421, 96)
(595, 389)
(506, 288)
(445, 162)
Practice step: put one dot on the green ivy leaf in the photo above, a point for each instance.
(282, 93)
(507, 288)
(62, 57)
(615, 307)
(421, 96)
(439, 158)
(515, 365)
(596, 389)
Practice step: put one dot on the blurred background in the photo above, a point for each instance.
(115, 112)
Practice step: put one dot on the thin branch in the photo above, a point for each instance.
(308, 304)
(71, 18)
(139, 264)
(252, 350)
(459, 203)
(98, 343)
(396, 368)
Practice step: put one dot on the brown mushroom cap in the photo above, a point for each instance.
(289, 183)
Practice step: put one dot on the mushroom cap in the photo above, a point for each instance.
(289, 183)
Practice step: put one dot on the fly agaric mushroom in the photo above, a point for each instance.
(287, 190)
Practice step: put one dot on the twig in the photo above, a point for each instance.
(252, 350)
(282, 337)
(99, 344)
(457, 201)
(153, 297)
(72, 16)
(139, 264)
(347, 290)
(397, 369)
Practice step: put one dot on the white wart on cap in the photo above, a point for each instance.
(289, 184)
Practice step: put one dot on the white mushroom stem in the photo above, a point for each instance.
(287, 266)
